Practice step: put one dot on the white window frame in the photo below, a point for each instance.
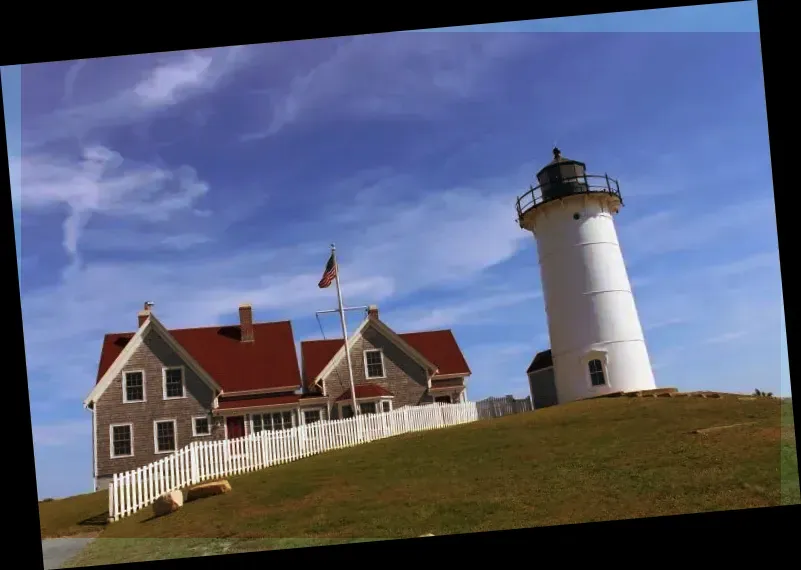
(111, 440)
(295, 419)
(125, 399)
(604, 358)
(164, 382)
(368, 402)
(367, 370)
(378, 400)
(318, 409)
(194, 426)
(156, 435)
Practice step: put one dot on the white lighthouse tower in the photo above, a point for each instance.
(597, 342)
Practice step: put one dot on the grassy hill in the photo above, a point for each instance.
(586, 461)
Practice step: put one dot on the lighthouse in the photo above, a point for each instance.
(597, 344)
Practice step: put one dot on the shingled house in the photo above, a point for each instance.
(390, 370)
(158, 390)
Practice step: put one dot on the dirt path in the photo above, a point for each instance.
(56, 551)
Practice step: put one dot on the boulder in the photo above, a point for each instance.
(208, 490)
(168, 503)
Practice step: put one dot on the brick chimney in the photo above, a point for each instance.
(246, 322)
(372, 311)
(144, 313)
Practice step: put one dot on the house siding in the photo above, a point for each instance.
(151, 356)
(404, 377)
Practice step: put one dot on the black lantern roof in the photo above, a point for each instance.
(561, 178)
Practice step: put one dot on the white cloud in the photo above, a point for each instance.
(177, 78)
(391, 74)
(103, 183)
(671, 231)
(475, 309)
(725, 337)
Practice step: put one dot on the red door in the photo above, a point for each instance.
(236, 426)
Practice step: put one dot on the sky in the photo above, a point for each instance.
(200, 180)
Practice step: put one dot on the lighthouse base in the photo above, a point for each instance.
(602, 369)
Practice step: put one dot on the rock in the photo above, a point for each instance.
(634, 394)
(665, 395)
(713, 395)
(208, 490)
(429, 534)
(168, 503)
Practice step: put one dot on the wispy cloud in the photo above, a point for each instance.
(474, 310)
(400, 74)
(176, 78)
(726, 337)
(103, 183)
(671, 231)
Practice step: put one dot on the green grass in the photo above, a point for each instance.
(791, 495)
(586, 461)
(121, 550)
(81, 515)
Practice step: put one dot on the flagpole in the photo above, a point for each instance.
(345, 336)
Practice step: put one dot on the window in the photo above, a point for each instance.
(347, 412)
(311, 416)
(374, 363)
(443, 399)
(386, 406)
(122, 440)
(273, 422)
(165, 436)
(367, 408)
(201, 426)
(596, 373)
(173, 382)
(134, 387)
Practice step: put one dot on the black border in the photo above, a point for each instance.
(718, 535)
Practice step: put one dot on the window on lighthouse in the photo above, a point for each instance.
(596, 373)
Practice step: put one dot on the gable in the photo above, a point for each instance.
(268, 363)
(385, 331)
(128, 346)
(436, 350)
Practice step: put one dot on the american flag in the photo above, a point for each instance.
(330, 273)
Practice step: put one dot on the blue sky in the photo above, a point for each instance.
(200, 180)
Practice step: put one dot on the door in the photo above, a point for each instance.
(236, 426)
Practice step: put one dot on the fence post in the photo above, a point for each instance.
(193, 458)
(111, 501)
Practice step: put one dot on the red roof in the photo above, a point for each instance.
(234, 403)
(440, 347)
(366, 391)
(269, 361)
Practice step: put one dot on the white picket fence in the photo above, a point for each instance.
(202, 461)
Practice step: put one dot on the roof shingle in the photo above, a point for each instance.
(268, 362)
